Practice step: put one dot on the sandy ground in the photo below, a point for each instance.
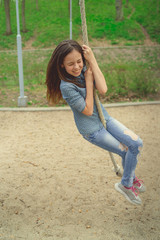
(55, 185)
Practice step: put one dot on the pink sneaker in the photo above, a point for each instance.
(129, 193)
(138, 184)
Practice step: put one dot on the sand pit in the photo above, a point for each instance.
(55, 185)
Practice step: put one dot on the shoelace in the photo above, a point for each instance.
(138, 182)
(135, 190)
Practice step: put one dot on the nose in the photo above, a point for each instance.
(76, 66)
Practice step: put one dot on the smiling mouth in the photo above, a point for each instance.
(77, 72)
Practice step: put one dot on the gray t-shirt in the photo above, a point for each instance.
(75, 97)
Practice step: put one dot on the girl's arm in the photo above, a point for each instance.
(88, 110)
(98, 75)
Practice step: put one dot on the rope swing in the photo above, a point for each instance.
(85, 41)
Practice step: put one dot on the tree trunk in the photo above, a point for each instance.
(37, 7)
(126, 5)
(23, 17)
(119, 10)
(157, 6)
(8, 19)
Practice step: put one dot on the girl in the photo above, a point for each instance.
(67, 77)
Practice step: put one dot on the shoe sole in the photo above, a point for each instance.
(125, 195)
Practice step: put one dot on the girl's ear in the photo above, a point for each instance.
(62, 66)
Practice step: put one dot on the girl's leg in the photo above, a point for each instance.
(133, 143)
(120, 140)
(105, 140)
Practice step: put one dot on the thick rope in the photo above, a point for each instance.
(85, 40)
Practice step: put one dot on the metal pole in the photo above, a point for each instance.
(22, 100)
(70, 10)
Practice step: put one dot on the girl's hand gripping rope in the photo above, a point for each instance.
(100, 82)
(88, 54)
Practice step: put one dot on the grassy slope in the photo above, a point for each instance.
(130, 74)
(50, 24)
(148, 14)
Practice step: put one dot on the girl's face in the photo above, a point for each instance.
(73, 63)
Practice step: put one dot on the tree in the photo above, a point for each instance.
(8, 19)
(157, 6)
(119, 10)
(126, 5)
(23, 17)
(37, 6)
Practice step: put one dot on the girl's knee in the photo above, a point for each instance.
(140, 144)
(136, 146)
(137, 142)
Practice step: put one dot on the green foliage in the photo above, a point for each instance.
(147, 14)
(131, 79)
(50, 24)
(130, 73)
(126, 29)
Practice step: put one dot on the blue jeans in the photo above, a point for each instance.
(122, 141)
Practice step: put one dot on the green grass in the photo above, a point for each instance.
(130, 73)
(147, 14)
(50, 24)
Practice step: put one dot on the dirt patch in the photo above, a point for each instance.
(28, 44)
(147, 40)
(56, 185)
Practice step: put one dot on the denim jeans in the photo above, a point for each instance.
(122, 141)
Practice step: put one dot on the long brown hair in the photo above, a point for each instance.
(55, 71)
